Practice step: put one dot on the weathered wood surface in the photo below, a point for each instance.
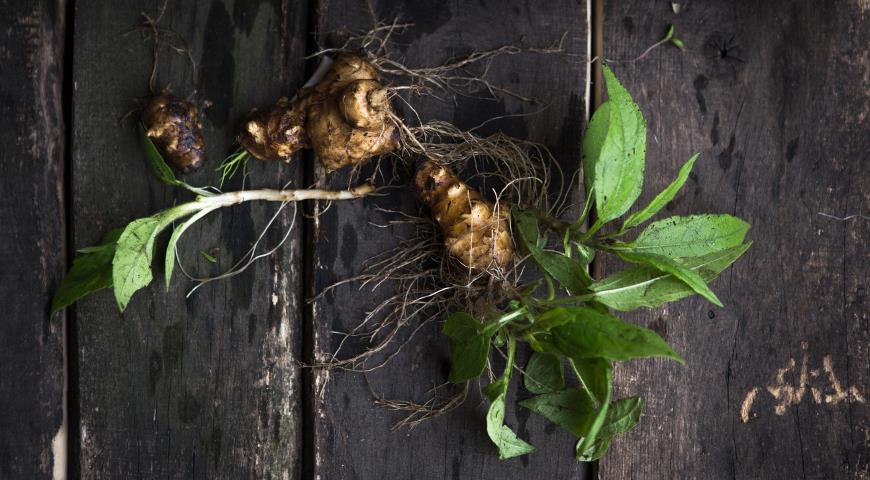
(32, 252)
(775, 96)
(351, 436)
(204, 387)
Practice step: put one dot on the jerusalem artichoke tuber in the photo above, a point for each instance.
(475, 230)
(344, 118)
(173, 123)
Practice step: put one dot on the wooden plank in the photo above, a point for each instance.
(205, 387)
(31, 239)
(351, 437)
(775, 97)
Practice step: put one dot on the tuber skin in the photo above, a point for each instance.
(277, 133)
(173, 123)
(344, 118)
(475, 231)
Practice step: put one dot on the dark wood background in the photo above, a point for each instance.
(775, 95)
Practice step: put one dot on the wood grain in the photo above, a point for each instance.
(775, 97)
(32, 253)
(203, 387)
(351, 437)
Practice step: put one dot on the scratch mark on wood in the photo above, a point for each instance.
(788, 394)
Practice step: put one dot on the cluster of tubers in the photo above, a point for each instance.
(346, 118)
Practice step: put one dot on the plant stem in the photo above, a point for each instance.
(233, 198)
(504, 320)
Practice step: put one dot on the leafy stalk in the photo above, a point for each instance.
(123, 261)
(570, 322)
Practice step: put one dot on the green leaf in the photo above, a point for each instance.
(169, 262)
(160, 168)
(131, 265)
(508, 443)
(668, 265)
(593, 144)
(662, 198)
(208, 257)
(569, 272)
(622, 416)
(689, 236)
(595, 452)
(90, 272)
(571, 409)
(544, 373)
(642, 286)
(679, 43)
(670, 33)
(613, 152)
(468, 345)
(596, 375)
(158, 164)
(592, 334)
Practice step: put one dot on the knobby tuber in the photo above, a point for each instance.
(344, 118)
(173, 124)
(475, 230)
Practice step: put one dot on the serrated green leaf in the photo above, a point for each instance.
(469, 347)
(169, 262)
(689, 236)
(674, 267)
(593, 144)
(613, 152)
(90, 272)
(569, 272)
(131, 265)
(662, 198)
(642, 286)
(592, 334)
(544, 373)
(570, 409)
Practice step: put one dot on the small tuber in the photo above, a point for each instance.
(475, 230)
(173, 124)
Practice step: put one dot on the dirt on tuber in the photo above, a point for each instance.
(475, 230)
(173, 124)
(345, 118)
